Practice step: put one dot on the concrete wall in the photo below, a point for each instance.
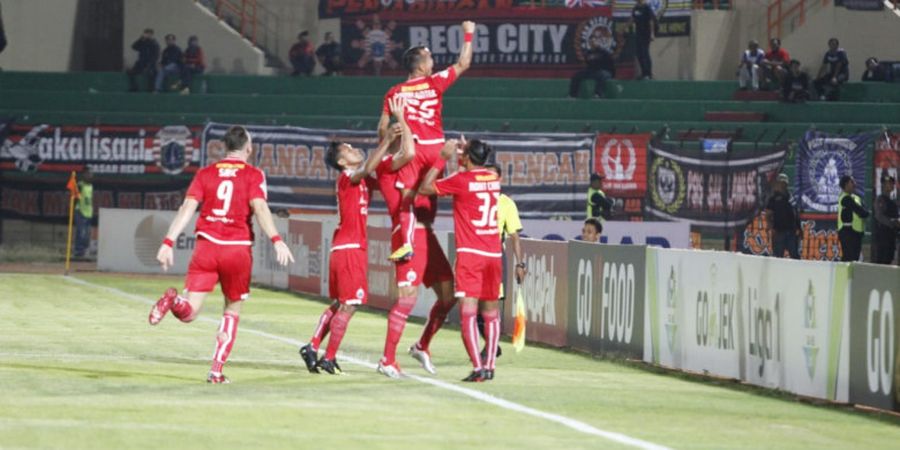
(40, 34)
(225, 50)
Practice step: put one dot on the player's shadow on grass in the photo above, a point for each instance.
(95, 374)
(287, 366)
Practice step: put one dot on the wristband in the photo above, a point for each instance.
(276, 239)
(468, 37)
(168, 242)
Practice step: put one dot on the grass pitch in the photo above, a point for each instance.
(80, 368)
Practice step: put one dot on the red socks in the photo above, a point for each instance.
(491, 336)
(338, 327)
(224, 341)
(183, 310)
(468, 313)
(436, 318)
(396, 322)
(323, 326)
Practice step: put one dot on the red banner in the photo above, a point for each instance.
(622, 161)
(887, 158)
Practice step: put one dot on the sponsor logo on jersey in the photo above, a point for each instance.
(415, 87)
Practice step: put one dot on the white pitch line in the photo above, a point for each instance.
(477, 395)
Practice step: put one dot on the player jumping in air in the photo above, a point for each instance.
(475, 193)
(424, 94)
(230, 191)
(348, 265)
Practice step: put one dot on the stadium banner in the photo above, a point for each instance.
(345, 8)
(673, 16)
(128, 240)
(305, 239)
(266, 270)
(104, 149)
(547, 173)
(622, 161)
(822, 159)
(606, 298)
(545, 291)
(874, 332)
(710, 191)
(519, 43)
(887, 159)
(818, 239)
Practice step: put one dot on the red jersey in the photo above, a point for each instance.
(353, 212)
(424, 102)
(475, 196)
(224, 190)
(781, 55)
(425, 208)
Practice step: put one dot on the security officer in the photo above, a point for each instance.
(84, 214)
(597, 203)
(886, 224)
(850, 220)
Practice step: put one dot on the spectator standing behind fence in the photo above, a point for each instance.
(886, 224)
(748, 70)
(600, 67)
(302, 55)
(776, 63)
(850, 220)
(644, 22)
(874, 71)
(148, 55)
(783, 219)
(171, 63)
(834, 72)
(329, 55)
(795, 86)
(194, 64)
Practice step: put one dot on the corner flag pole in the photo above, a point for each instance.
(73, 194)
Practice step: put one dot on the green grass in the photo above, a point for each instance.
(80, 368)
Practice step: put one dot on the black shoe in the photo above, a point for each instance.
(331, 366)
(484, 354)
(477, 376)
(488, 374)
(309, 358)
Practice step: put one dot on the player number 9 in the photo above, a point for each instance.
(226, 188)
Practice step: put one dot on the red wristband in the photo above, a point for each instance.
(276, 239)
(468, 37)
(168, 242)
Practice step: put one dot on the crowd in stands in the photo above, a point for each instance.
(303, 58)
(174, 62)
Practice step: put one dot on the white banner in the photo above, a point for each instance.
(128, 240)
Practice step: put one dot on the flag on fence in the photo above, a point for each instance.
(518, 336)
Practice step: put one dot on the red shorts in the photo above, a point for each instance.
(427, 156)
(229, 265)
(478, 276)
(347, 276)
(429, 264)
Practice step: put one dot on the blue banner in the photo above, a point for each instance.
(822, 160)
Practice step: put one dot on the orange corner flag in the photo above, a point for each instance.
(518, 336)
(72, 186)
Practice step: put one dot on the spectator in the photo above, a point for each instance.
(329, 55)
(148, 54)
(850, 220)
(600, 67)
(171, 62)
(874, 71)
(887, 223)
(834, 72)
(795, 86)
(748, 70)
(194, 64)
(301, 55)
(591, 230)
(784, 220)
(776, 63)
(84, 213)
(644, 22)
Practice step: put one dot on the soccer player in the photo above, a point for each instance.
(475, 193)
(424, 93)
(230, 191)
(348, 265)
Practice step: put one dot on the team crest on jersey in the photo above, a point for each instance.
(173, 148)
(411, 276)
(360, 293)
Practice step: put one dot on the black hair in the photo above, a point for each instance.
(794, 61)
(331, 155)
(495, 168)
(303, 34)
(148, 30)
(836, 41)
(844, 180)
(236, 138)
(412, 57)
(598, 225)
(170, 35)
(775, 41)
(478, 152)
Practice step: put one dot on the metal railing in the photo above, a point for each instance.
(712, 4)
(794, 16)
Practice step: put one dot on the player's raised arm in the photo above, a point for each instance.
(427, 185)
(407, 146)
(465, 53)
(182, 218)
(384, 124)
(264, 218)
